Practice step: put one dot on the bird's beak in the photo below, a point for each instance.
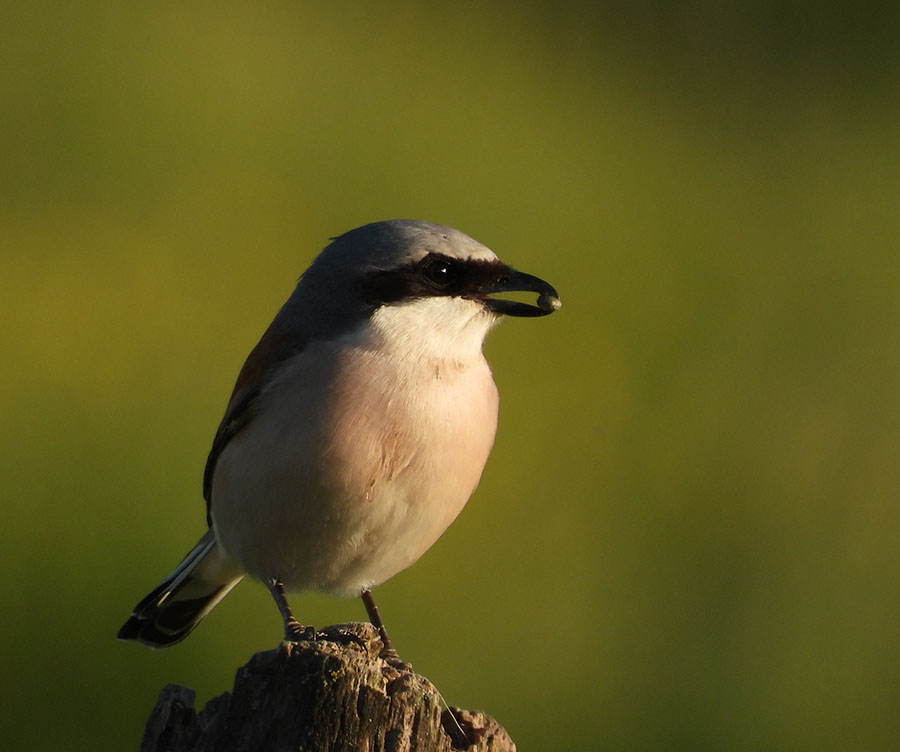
(512, 281)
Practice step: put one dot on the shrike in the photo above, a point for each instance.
(357, 430)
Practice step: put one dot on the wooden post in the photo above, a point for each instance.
(333, 694)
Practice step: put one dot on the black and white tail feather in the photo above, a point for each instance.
(170, 613)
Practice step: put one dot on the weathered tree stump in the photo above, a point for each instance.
(328, 695)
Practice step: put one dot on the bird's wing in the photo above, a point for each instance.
(279, 343)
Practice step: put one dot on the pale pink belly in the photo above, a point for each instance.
(343, 504)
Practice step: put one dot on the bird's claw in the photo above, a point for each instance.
(393, 659)
(294, 631)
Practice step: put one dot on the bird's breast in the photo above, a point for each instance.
(353, 466)
(412, 435)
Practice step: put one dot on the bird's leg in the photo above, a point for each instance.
(388, 654)
(294, 631)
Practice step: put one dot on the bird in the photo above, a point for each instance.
(357, 429)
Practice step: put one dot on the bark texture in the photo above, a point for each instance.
(328, 695)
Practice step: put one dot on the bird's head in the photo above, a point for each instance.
(412, 278)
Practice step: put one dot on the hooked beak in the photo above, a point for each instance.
(512, 281)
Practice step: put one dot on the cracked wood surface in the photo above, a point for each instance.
(328, 695)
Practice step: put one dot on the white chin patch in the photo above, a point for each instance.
(442, 326)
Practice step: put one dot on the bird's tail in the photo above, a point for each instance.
(172, 610)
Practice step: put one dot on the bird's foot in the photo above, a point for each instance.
(294, 631)
(393, 659)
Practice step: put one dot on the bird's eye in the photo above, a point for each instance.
(439, 272)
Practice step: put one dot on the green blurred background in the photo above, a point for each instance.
(687, 535)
